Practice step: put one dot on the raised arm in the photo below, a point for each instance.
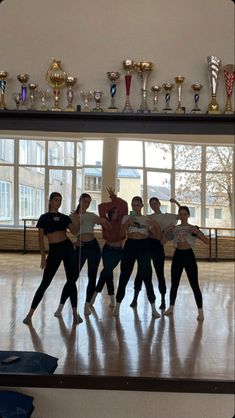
(172, 200)
(116, 202)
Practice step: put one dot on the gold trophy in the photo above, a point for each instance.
(196, 87)
(179, 81)
(214, 65)
(33, 90)
(86, 96)
(23, 79)
(155, 90)
(167, 87)
(144, 68)
(129, 66)
(56, 78)
(3, 78)
(70, 83)
(97, 94)
(113, 76)
(229, 75)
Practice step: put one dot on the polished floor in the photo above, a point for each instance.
(135, 344)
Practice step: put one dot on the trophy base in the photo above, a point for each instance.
(56, 109)
(127, 110)
(214, 112)
(112, 109)
(69, 109)
(97, 109)
(229, 112)
(180, 111)
(144, 111)
(167, 111)
(196, 111)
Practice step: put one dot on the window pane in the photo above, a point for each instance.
(188, 192)
(219, 200)
(187, 157)
(31, 192)
(158, 155)
(61, 153)
(130, 184)
(6, 195)
(6, 151)
(130, 153)
(93, 151)
(61, 181)
(159, 185)
(219, 159)
(31, 152)
(79, 153)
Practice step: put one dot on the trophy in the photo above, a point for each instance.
(113, 76)
(229, 75)
(17, 99)
(129, 66)
(214, 65)
(179, 81)
(44, 94)
(97, 96)
(144, 68)
(155, 90)
(196, 88)
(86, 96)
(3, 77)
(70, 82)
(32, 94)
(56, 77)
(23, 79)
(167, 87)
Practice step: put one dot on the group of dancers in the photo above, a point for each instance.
(128, 238)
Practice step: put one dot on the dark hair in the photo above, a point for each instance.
(184, 208)
(111, 212)
(138, 199)
(154, 198)
(83, 195)
(52, 196)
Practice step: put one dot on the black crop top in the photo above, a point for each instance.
(52, 222)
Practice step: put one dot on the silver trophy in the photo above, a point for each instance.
(97, 94)
(113, 76)
(155, 89)
(44, 95)
(70, 83)
(33, 90)
(87, 97)
(167, 87)
(214, 65)
(179, 81)
(144, 68)
(196, 87)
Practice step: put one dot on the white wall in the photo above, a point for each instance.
(93, 37)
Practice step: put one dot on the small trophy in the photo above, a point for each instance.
(196, 87)
(97, 96)
(113, 76)
(56, 77)
(129, 66)
(179, 81)
(32, 94)
(155, 90)
(144, 68)
(3, 78)
(45, 95)
(70, 83)
(214, 65)
(86, 96)
(23, 79)
(229, 75)
(167, 87)
(17, 99)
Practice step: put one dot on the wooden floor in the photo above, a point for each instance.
(133, 345)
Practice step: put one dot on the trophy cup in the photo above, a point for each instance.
(179, 81)
(86, 96)
(3, 77)
(44, 94)
(56, 78)
(196, 88)
(23, 79)
(97, 96)
(167, 87)
(229, 75)
(129, 66)
(144, 68)
(32, 94)
(155, 90)
(214, 65)
(113, 76)
(70, 82)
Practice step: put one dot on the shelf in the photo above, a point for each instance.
(193, 124)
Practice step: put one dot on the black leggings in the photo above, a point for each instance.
(111, 256)
(90, 252)
(136, 250)
(185, 259)
(62, 251)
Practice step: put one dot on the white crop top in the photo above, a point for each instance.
(183, 233)
(164, 219)
(139, 224)
(88, 221)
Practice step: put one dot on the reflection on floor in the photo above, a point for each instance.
(133, 345)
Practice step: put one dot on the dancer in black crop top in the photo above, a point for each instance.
(54, 225)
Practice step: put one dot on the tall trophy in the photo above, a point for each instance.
(23, 79)
(70, 83)
(97, 94)
(56, 78)
(214, 65)
(179, 81)
(167, 87)
(229, 75)
(86, 96)
(128, 66)
(113, 76)
(144, 68)
(3, 78)
(32, 94)
(196, 87)
(155, 90)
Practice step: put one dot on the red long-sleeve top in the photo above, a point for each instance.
(113, 234)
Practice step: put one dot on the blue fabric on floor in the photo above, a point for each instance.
(30, 362)
(15, 405)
